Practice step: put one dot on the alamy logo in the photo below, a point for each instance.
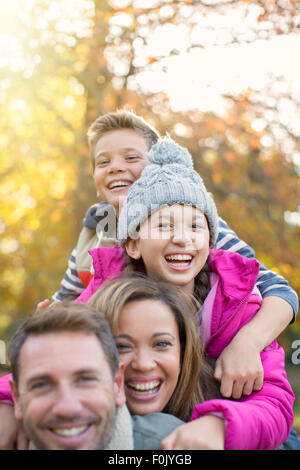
(2, 352)
(295, 358)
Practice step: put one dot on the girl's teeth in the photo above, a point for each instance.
(70, 432)
(179, 258)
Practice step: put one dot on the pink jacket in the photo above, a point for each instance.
(263, 420)
(260, 421)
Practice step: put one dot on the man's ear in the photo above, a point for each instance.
(17, 401)
(119, 386)
(132, 248)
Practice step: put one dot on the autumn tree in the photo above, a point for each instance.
(61, 67)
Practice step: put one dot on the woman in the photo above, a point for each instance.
(153, 322)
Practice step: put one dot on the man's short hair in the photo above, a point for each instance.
(60, 317)
(119, 120)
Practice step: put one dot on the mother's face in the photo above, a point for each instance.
(149, 346)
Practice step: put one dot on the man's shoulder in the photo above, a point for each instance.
(150, 429)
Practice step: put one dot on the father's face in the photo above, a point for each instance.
(67, 397)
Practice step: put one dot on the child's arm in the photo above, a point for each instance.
(239, 367)
(205, 433)
(71, 285)
(269, 282)
(261, 421)
(12, 434)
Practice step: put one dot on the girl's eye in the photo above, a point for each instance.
(164, 225)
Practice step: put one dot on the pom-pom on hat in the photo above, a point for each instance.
(169, 179)
(167, 152)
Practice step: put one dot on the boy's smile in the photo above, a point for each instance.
(120, 157)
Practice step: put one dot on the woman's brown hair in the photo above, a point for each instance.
(190, 389)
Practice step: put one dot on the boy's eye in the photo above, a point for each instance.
(132, 157)
(101, 163)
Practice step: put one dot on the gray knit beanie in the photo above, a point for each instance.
(168, 179)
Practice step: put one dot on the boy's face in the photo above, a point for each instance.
(120, 157)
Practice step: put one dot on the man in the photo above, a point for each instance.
(68, 385)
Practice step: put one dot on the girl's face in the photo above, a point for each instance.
(149, 347)
(174, 245)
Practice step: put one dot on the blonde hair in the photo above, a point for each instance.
(190, 389)
(119, 120)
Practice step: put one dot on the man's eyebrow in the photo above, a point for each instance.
(88, 370)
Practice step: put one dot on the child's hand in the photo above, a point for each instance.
(239, 369)
(12, 435)
(44, 304)
(205, 433)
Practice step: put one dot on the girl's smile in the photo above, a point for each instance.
(173, 244)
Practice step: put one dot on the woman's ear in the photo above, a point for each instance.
(132, 248)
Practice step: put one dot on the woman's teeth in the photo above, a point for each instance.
(149, 387)
(70, 432)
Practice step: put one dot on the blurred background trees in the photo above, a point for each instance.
(62, 63)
